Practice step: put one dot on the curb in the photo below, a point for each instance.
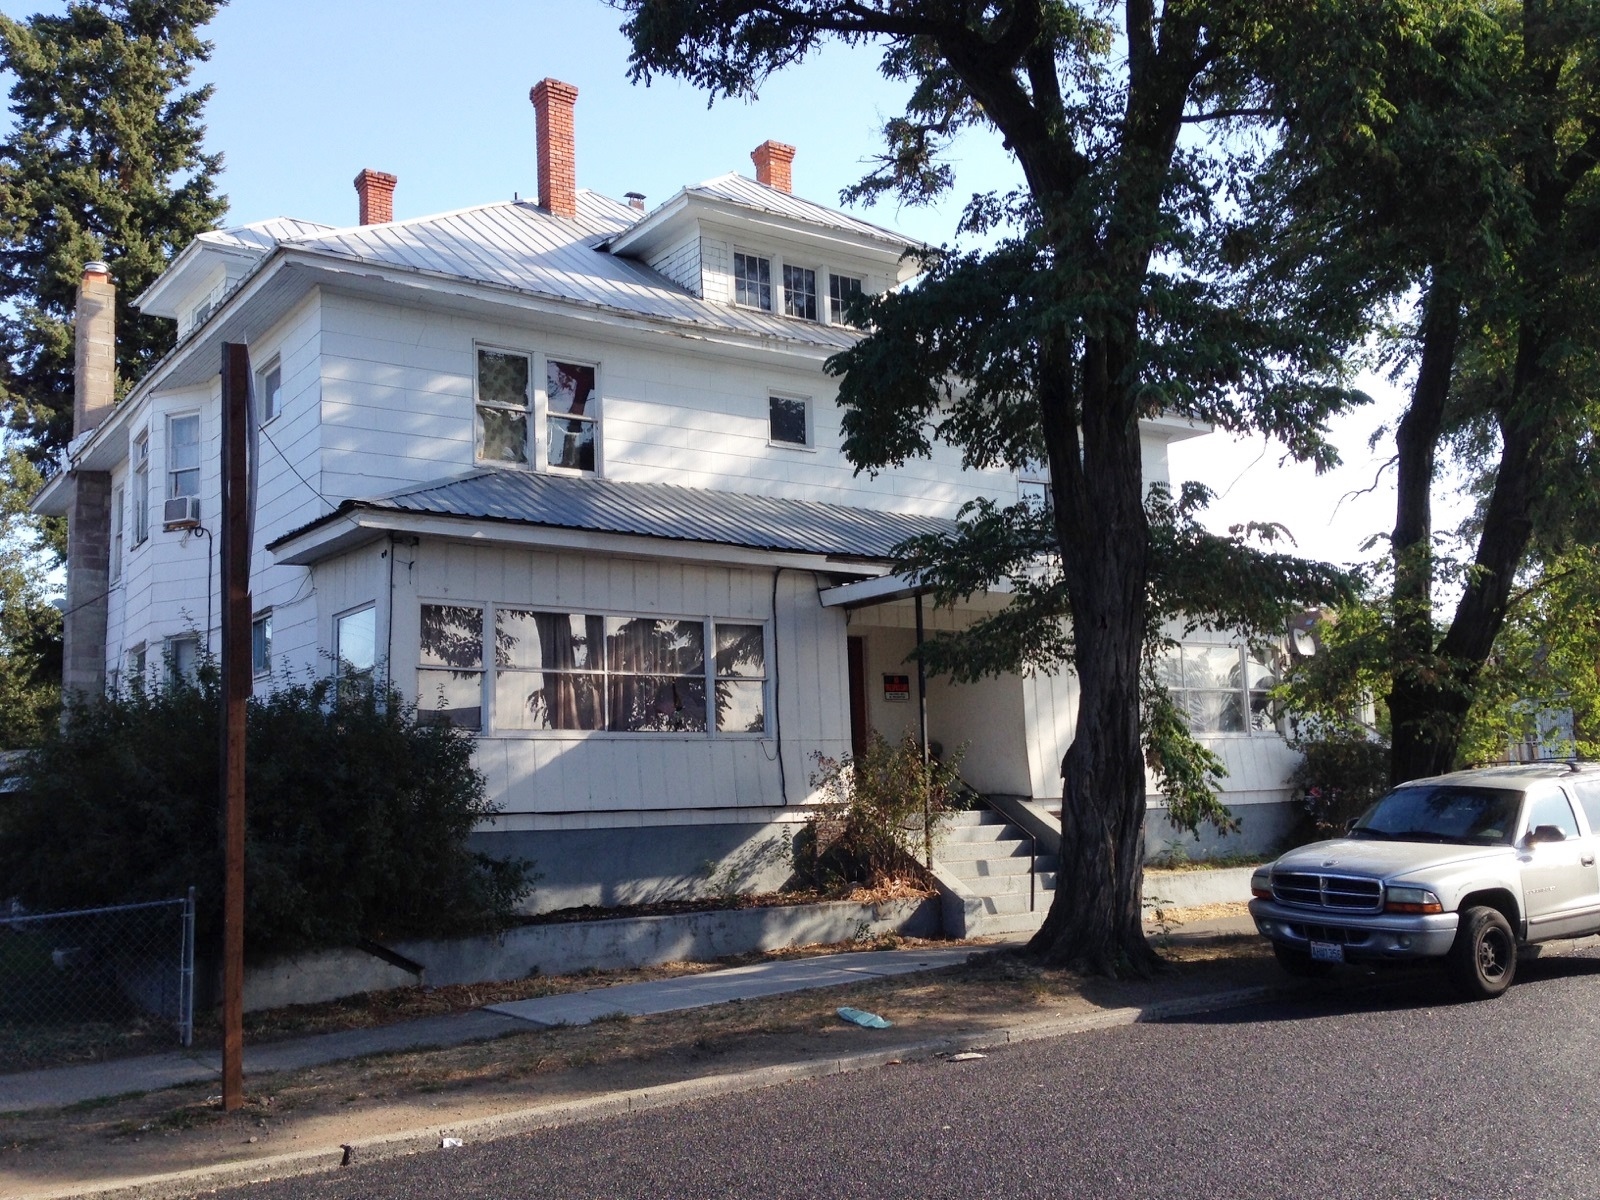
(616, 1104)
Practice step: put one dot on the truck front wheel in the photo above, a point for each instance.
(1483, 959)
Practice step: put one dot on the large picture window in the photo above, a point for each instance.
(502, 403)
(588, 672)
(572, 415)
(1222, 689)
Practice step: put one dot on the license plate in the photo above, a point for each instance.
(1331, 952)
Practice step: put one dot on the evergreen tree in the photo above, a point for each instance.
(1116, 291)
(103, 161)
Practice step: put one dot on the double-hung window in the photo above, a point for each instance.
(118, 505)
(270, 392)
(1222, 689)
(841, 288)
(502, 403)
(741, 695)
(141, 488)
(183, 456)
(800, 292)
(752, 281)
(572, 414)
(1033, 484)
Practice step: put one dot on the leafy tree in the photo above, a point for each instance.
(358, 817)
(1113, 291)
(1447, 170)
(103, 161)
(30, 626)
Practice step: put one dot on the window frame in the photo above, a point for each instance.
(530, 434)
(261, 620)
(1242, 693)
(801, 269)
(774, 396)
(592, 417)
(141, 488)
(740, 285)
(169, 657)
(484, 671)
(119, 506)
(837, 318)
(264, 413)
(491, 670)
(172, 472)
(342, 678)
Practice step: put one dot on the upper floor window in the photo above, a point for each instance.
(183, 456)
(1033, 484)
(271, 392)
(840, 290)
(502, 404)
(752, 281)
(572, 415)
(800, 292)
(141, 488)
(117, 506)
(1223, 689)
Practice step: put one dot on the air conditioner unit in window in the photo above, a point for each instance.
(181, 512)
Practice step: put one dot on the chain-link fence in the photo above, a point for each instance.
(95, 982)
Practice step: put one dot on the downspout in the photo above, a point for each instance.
(777, 692)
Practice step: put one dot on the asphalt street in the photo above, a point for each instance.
(1388, 1088)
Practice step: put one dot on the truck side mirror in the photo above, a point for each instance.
(1545, 833)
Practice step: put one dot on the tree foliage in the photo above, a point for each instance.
(1451, 172)
(1114, 288)
(357, 822)
(104, 161)
(30, 626)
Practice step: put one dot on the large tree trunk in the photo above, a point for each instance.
(1095, 919)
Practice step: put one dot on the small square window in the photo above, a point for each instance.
(800, 292)
(752, 281)
(841, 289)
(271, 392)
(788, 420)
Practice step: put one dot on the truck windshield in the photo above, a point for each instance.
(1442, 813)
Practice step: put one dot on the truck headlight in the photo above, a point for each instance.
(1261, 883)
(1410, 900)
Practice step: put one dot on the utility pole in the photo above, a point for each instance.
(235, 544)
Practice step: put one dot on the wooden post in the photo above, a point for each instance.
(235, 545)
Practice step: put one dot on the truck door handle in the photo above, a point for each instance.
(1587, 860)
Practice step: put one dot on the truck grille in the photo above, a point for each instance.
(1328, 891)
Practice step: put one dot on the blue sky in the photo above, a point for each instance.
(307, 94)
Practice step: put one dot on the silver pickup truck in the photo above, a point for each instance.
(1465, 868)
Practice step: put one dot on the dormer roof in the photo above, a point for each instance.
(240, 246)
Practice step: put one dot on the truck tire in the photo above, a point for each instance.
(1483, 960)
(1299, 963)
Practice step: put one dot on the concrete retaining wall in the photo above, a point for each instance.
(1182, 889)
(560, 949)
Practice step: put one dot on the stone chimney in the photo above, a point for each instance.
(772, 160)
(376, 190)
(558, 173)
(89, 520)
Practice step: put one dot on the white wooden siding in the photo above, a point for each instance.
(681, 263)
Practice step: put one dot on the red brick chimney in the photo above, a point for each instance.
(558, 171)
(376, 189)
(772, 161)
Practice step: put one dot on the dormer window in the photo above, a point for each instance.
(752, 281)
(841, 288)
(800, 292)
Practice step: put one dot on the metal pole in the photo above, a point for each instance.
(186, 975)
(922, 738)
(235, 694)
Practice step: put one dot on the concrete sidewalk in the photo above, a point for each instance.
(62, 1086)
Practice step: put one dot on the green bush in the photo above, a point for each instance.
(1338, 779)
(357, 816)
(878, 815)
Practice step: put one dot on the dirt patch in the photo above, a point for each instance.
(184, 1127)
(896, 889)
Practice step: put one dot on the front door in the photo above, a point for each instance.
(857, 655)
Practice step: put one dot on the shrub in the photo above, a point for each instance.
(1337, 781)
(878, 816)
(357, 816)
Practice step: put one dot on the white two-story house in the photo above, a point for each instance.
(569, 474)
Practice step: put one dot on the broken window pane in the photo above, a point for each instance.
(503, 378)
(571, 443)
(658, 704)
(502, 435)
(571, 394)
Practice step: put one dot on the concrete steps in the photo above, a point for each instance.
(993, 879)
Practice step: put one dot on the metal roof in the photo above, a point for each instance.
(516, 244)
(660, 510)
(737, 189)
(261, 236)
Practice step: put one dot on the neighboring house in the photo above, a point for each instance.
(569, 473)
